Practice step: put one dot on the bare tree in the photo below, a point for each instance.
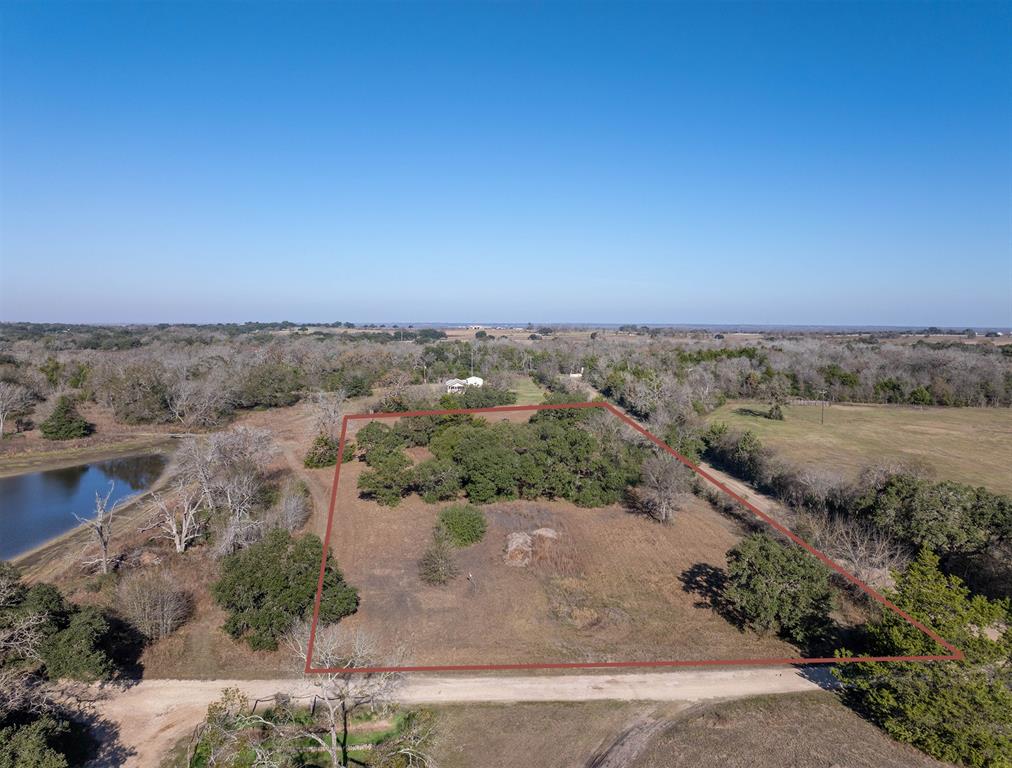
(179, 516)
(14, 399)
(342, 692)
(228, 469)
(329, 408)
(101, 528)
(292, 509)
(865, 551)
(665, 484)
(195, 401)
(153, 603)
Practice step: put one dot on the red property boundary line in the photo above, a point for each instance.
(954, 653)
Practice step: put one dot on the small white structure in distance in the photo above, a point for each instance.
(456, 386)
(577, 375)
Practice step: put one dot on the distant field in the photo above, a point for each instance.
(969, 445)
(528, 393)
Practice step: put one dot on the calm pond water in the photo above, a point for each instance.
(40, 506)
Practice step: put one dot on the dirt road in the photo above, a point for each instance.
(155, 715)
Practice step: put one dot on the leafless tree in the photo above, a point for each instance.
(179, 516)
(14, 399)
(665, 484)
(292, 509)
(228, 469)
(329, 408)
(195, 401)
(101, 527)
(153, 603)
(862, 549)
(342, 692)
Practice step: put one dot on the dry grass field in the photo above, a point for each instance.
(801, 731)
(968, 445)
(611, 587)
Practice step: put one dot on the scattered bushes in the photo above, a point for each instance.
(272, 583)
(463, 525)
(778, 588)
(65, 423)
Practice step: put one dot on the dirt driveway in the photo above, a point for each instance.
(154, 715)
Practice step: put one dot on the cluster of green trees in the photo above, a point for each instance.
(958, 711)
(271, 584)
(45, 639)
(551, 456)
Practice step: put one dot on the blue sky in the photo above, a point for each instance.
(663, 163)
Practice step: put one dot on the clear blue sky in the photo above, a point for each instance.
(716, 163)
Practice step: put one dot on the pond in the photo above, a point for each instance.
(40, 506)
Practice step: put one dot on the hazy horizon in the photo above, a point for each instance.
(777, 164)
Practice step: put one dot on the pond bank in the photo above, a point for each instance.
(59, 458)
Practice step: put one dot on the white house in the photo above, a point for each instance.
(456, 386)
(575, 375)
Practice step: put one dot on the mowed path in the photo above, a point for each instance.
(154, 715)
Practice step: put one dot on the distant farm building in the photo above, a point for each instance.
(576, 375)
(456, 386)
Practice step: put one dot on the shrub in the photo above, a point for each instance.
(437, 566)
(272, 583)
(65, 423)
(153, 604)
(778, 588)
(77, 651)
(323, 452)
(463, 525)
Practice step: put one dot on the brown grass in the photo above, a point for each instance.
(801, 731)
(811, 730)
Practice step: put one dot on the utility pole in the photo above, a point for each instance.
(822, 419)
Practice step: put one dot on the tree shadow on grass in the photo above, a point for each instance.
(708, 583)
(753, 412)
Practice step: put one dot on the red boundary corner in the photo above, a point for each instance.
(954, 655)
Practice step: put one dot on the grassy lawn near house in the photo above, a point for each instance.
(528, 393)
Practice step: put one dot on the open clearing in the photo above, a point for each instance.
(968, 445)
(611, 587)
(805, 730)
